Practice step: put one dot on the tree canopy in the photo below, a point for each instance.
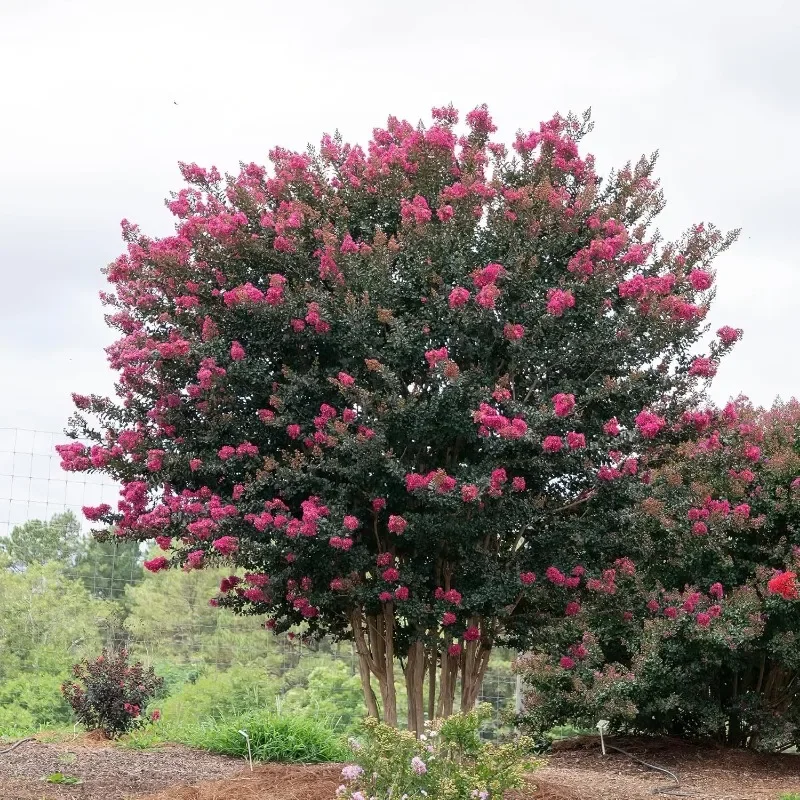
(393, 385)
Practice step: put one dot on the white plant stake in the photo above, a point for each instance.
(602, 726)
(250, 752)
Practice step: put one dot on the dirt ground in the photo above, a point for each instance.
(107, 772)
(177, 773)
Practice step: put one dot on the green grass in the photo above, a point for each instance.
(273, 737)
(793, 796)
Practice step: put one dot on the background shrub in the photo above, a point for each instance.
(110, 694)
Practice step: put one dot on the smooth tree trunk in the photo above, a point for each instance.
(433, 658)
(474, 661)
(415, 687)
(448, 676)
(374, 640)
(373, 635)
(370, 701)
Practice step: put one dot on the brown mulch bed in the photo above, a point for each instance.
(705, 773)
(579, 773)
(265, 782)
(107, 772)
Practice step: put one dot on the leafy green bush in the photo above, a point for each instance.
(448, 762)
(332, 692)
(29, 702)
(218, 694)
(273, 737)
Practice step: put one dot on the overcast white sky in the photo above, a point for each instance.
(90, 133)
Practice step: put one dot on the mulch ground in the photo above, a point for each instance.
(107, 772)
(580, 773)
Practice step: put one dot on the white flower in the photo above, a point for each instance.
(423, 737)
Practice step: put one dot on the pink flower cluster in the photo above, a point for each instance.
(489, 419)
(485, 281)
(416, 210)
(458, 297)
(649, 424)
(247, 294)
(558, 301)
(563, 404)
(433, 357)
(438, 479)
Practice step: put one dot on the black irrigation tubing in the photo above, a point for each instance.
(674, 790)
(16, 745)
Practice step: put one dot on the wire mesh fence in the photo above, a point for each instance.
(164, 619)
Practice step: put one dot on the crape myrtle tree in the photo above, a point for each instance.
(701, 634)
(383, 383)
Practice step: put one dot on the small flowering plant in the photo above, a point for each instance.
(447, 762)
(110, 694)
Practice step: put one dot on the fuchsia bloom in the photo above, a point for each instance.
(226, 545)
(156, 564)
(471, 634)
(416, 210)
(487, 296)
(433, 357)
(396, 524)
(94, 513)
(703, 367)
(452, 596)
(552, 444)
(576, 441)
(563, 404)
(527, 578)
(237, 351)
(469, 492)
(649, 424)
(458, 297)
(558, 301)
(513, 332)
(444, 213)
(556, 576)
(728, 335)
(700, 279)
